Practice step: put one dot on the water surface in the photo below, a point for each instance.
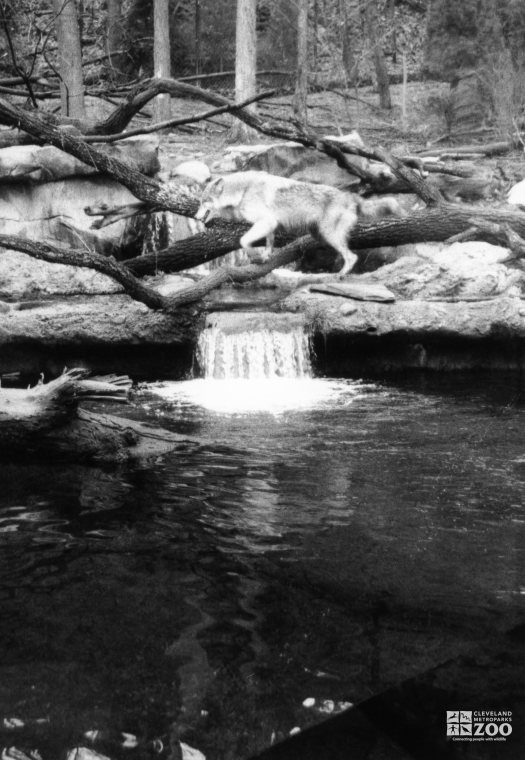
(326, 551)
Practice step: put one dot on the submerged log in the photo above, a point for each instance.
(46, 421)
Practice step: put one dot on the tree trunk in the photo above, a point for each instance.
(300, 106)
(350, 63)
(245, 50)
(383, 82)
(69, 59)
(314, 35)
(198, 33)
(382, 79)
(114, 35)
(245, 61)
(161, 55)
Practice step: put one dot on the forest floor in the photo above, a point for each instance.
(421, 127)
(330, 112)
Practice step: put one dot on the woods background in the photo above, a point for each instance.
(97, 48)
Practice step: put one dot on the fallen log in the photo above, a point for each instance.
(495, 148)
(46, 421)
(438, 223)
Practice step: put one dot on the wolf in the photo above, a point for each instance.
(269, 202)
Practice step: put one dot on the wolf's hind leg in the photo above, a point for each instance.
(349, 262)
(337, 238)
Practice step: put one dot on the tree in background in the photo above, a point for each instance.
(374, 38)
(69, 58)
(461, 34)
(246, 50)
(245, 62)
(349, 32)
(479, 45)
(161, 55)
(198, 36)
(114, 37)
(300, 106)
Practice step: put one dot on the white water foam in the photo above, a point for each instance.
(275, 396)
(261, 370)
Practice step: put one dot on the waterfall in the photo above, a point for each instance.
(254, 363)
(258, 354)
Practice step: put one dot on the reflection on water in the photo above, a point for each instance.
(328, 551)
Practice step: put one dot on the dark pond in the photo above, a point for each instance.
(328, 552)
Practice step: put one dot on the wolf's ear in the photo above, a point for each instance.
(218, 185)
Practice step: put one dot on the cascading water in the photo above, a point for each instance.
(255, 355)
(256, 362)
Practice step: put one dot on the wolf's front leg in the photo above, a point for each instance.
(263, 229)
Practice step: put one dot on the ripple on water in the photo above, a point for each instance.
(367, 531)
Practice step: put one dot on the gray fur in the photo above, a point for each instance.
(269, 202)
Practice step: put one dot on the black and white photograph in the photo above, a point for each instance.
(262, 379)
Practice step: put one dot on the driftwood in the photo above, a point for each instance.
(357, 291)
(46, 421)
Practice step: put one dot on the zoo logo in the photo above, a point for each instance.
(479, 725)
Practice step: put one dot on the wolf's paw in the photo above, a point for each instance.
(258, 255)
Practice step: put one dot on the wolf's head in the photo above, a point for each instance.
(210, 200)
(221, 198)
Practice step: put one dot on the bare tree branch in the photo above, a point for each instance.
(176, 122)
(87, 259)
(242, 274)
(180, 200)
(22, 72)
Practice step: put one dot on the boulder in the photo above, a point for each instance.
(54, 211)
(35, 163)
(292, 160)
(45, 191)
(460, 271)
(23, 277)
(194, 170)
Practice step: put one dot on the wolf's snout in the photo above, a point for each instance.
(203, 214)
